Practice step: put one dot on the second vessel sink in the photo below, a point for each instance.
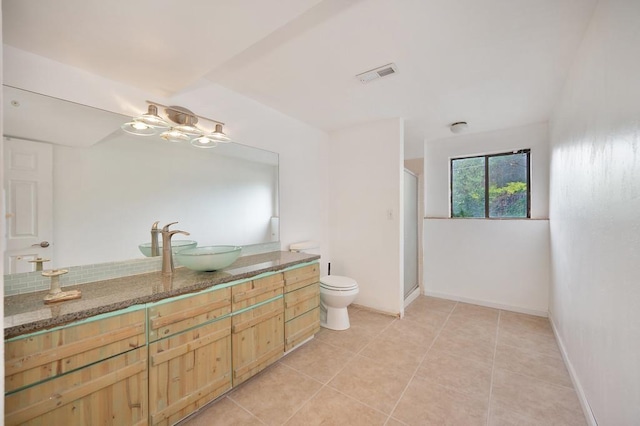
(208, 258)
(176, 246)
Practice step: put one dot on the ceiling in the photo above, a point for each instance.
(493, 63)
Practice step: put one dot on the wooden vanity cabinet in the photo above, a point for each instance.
(94, 372)
(302, 304)
(191, 364)
(257, 326)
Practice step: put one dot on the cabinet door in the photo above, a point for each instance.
(34, 358)
(301, 277)
(111, 392)
(168, 318)
(256, 291)
(301, 301)
(258, 339)
(301, 328)
(188, 370)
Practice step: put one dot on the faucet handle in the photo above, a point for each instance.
(154, 227)
(171, 233)
(166, 227)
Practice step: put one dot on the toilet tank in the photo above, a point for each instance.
(311, 247)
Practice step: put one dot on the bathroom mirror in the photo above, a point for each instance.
(108, 187)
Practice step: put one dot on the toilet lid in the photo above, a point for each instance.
(337, 282)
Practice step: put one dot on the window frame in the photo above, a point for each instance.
(486, 184)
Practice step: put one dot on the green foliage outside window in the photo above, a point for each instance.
(493, 186)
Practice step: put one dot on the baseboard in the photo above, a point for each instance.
(488, 304)
(377, 311)
(411, 297)
(577, 385)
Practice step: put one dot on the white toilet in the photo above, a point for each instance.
(336, 292)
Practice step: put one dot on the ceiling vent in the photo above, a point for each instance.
(383, 71)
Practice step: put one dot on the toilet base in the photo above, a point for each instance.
(334, 318)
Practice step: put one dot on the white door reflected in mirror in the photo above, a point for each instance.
(28, 190)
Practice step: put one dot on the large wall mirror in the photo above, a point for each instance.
(91, 191)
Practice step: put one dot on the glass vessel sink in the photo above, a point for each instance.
(176, 246)
(208, 258)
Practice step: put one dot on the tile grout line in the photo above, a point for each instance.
(323, 385)
(421, 361)
(493, 366)
(245, 409)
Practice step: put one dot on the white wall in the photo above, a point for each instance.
(501, 263)
(595, 215)
(302, 148)
(366, 216)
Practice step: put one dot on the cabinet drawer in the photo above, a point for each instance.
(166, 319)
(300, 301)
(188, 370)
(301, 328)
(32, 359)
(301, 277)
(256, 291)
(111, 392)
(257, 339)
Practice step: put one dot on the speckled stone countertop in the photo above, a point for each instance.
(26, 313)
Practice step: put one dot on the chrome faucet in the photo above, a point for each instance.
(155, 247)
(167, 252)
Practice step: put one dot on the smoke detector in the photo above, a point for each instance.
(376, 73)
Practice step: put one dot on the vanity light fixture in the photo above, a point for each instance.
(180, 125)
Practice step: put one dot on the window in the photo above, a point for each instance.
(491, 186)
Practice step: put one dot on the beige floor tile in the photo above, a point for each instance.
(399, 353)
(470, 345)
(371, 382)
(534, 399)
(293, 389)
(410, 331)
(353, 339)
(462, 375)
(532, 364)
(432, 304)
(318, 360)
(222, 413)
(479, 313)
(330, 407)
(370, 322)
(482, 329)
(501, 417)
(425, 317)
(525, 323)
(394, 422)
(530, 341)
(425, 403)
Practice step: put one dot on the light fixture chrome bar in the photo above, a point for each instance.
(182, 112)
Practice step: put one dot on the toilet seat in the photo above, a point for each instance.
(338, 283)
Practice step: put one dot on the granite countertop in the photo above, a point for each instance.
(27, 313)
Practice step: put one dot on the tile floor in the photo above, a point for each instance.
(445, 363)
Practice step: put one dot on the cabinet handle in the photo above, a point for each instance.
(257, 320)
(180, 404)
(16, 365)
(302, 333)
(161, 321)
(291, 303)
(172, 353)
(64, 397)
(243, 295)
(237, 373)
